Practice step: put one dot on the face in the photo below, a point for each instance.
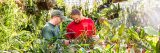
(58, 20)
(76, 18)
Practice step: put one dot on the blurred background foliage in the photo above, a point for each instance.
(21, 22)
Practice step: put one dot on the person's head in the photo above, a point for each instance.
(76, 15)
(57, 17)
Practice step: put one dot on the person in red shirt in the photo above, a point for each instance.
(80, 26)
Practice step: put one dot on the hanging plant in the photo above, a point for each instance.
(45, 4)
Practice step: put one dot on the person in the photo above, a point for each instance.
(50, 32)
(80, 30)
(51, 28)
(80, 26)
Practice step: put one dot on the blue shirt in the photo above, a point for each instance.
(50, 32)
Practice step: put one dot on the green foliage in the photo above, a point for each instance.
(20, 31)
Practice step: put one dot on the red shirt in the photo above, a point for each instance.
(74, 30)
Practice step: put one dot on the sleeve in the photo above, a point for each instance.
(70, 34)
(47, 34)
(93, 27)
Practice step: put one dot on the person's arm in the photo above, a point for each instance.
(93, 27)
(94, 36)
(68, 36)
(70, 33)
(47, 34)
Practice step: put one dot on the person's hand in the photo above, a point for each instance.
(66, 42)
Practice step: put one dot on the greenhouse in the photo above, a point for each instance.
(79, 26)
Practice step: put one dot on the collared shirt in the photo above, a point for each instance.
(50, 32)
(74, 30)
